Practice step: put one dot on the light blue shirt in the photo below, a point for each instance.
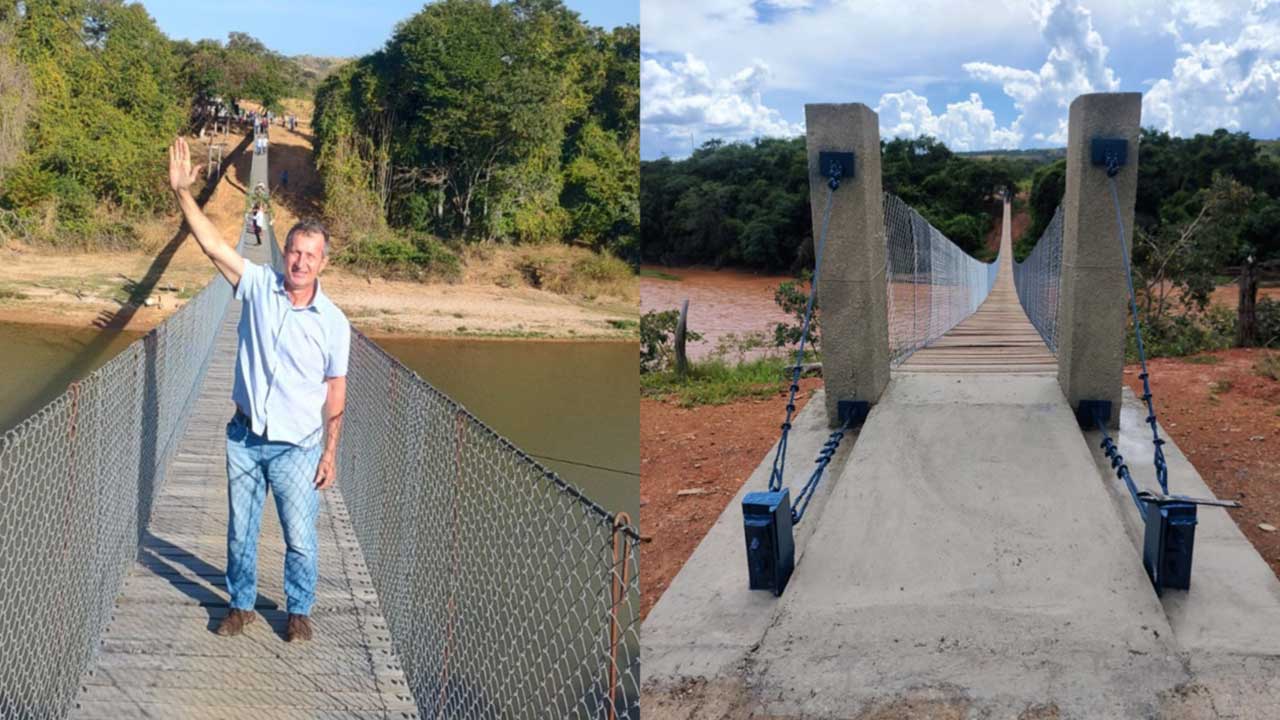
(285, 354)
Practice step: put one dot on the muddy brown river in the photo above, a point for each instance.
(720, 302)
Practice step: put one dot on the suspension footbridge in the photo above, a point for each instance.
(458, 577)
(978, 546)
(997, 338)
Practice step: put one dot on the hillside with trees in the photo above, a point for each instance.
(1207, 213)
(105, 92)
(240, 69)
(91, 93)
(513, 122)
(740, 204)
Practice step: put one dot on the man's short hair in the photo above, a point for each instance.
(310, 226)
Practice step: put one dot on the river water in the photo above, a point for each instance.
(38, 362)
(721, 302)
(571, 404)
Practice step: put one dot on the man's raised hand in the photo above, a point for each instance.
(181, 174)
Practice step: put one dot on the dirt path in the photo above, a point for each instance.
(85, 289)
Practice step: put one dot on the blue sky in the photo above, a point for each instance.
(327, 27)
(978, 74)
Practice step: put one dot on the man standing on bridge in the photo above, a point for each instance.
(290, 390)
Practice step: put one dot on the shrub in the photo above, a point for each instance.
(740, 346)
(574, 271)
(1268, 313)
(417, 257)
(794, 300)
(657, 336)
(1178, 335)
(1268, 366)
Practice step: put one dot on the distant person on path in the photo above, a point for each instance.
(284, 179)
(259, 221)
(290, 395)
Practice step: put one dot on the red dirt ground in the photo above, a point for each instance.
(1224, 416)
(712, 449)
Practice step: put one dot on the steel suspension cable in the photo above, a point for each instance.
(1162, 471)
(824, 458)
(780, 457)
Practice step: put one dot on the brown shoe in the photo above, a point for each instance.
(234, 622)
(299, 628)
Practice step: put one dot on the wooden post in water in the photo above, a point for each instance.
(682, 359)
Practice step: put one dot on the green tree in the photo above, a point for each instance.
(602, 192)
(748, 204)
(512, 121)
(1047, 187)
(108, 97)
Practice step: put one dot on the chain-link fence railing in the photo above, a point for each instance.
(77, 481)
(933, 284)
(1038, 279)
(508, 594)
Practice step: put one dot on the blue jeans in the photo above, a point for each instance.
(253, 465)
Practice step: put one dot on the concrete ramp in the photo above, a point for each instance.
(969, 561)
(976, 556)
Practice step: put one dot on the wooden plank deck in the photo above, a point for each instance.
(159, 657)
(998, 338)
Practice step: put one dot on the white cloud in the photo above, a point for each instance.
(1203, 14)
(1202, 64)
(684, 98)
(837, 50)
(1077, 64)
(965, 125)
(1231, 84)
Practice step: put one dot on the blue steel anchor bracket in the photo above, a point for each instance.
(769, 520)
(771, 548)
(852, 412)
(1169, 521)
(1110, 153)
(1088, 410)
(1170, 536)
(835, 166)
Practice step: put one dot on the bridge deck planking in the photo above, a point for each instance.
(998, 338)
(159, 657)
